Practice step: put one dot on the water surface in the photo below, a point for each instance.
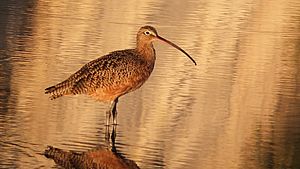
(239, 108)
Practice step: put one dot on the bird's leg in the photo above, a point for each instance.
(114, 110)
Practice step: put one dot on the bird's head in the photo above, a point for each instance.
(147, 34)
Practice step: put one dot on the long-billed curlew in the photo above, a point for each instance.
(113, 75)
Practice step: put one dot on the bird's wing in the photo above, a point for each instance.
(109, 70)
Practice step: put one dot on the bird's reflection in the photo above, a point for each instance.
(103, 157)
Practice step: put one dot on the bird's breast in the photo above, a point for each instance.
(123, 80)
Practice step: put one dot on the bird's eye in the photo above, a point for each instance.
(147, 33)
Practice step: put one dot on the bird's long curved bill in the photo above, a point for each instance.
(177, 47)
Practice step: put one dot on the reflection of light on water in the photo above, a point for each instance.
(101, 157)
(241, 102)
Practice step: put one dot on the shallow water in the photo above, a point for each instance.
(238, 108)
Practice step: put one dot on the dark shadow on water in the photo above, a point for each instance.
(102, 157)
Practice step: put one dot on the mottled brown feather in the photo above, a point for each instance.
(107, 77)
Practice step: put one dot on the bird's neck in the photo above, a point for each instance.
(147, 51)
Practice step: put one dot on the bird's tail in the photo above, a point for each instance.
(58, 90)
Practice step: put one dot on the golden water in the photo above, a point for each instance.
(239, 108)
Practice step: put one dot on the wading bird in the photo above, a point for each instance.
(115, 74)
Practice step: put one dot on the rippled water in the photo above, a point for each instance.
(239, 108)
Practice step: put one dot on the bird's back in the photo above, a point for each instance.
(107, 77)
